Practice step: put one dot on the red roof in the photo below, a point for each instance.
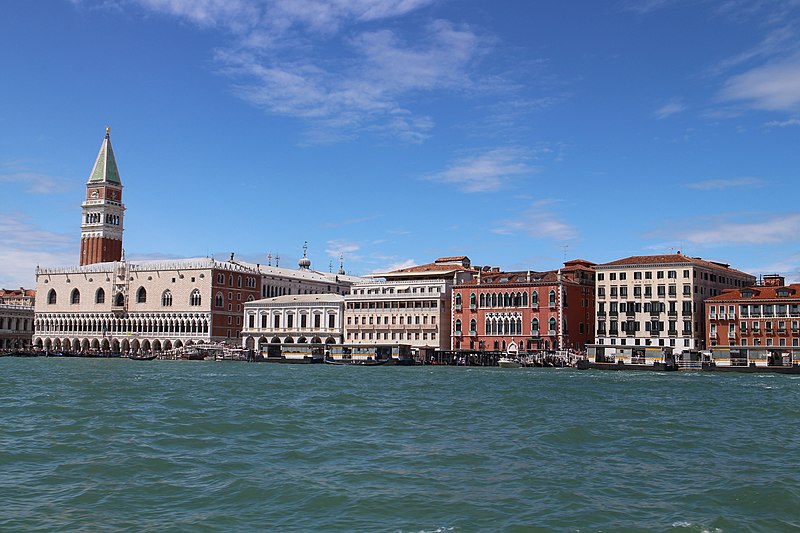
(669, 259)
(759, 293)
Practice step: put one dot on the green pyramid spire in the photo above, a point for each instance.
(105, 168)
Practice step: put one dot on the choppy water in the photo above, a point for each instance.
(112, 445)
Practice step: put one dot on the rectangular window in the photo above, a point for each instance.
(331, 321)
(637, 275)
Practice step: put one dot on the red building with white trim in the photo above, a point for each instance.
(519, 312)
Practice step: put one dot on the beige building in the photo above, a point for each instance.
(409, 306)
(26, 297)
(658, 300)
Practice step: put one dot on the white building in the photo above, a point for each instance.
(411, 306)
(273, 323)
(657, 300)
(16, 326)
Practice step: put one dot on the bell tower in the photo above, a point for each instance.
(103, 210)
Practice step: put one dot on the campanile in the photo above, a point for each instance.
(103, 210)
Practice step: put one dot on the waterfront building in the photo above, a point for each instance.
(128, 306)
(525, 311)
(110, 304)
(21, 296)
(16, 326)
(274, 324)
(407, 306)
(658, 300)
(757, 320)
(103, 210)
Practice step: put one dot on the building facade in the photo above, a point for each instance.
(520, 312)
(658, 300)
(273, 323)
(128, 306)
(408, 306)
(16, 327)
(765, 316)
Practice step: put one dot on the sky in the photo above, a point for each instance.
(392, 132)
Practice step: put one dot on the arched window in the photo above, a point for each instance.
(51, 296)
(472, 300)
(458, 300)
(473, 326)
(487, 327)
(75, 297)
(458, 327)
(524, 299)
(195, 298)
(535, 326)
(494, 299)
(119, 300)
(166, 298)
(141, 295)
(552, 297)
(219, 301)
(552, 323)
(100, 296)
(483, 300)
(535, 298)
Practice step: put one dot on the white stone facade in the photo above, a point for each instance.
(299, 319)
(16, 326)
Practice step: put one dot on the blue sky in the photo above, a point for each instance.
(398, 131)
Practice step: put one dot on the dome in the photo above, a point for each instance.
(304, 262)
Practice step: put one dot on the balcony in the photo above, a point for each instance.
(613, 332)
(654, 333)
(551, 332)
(552, 305)
(672, 332)
(535, 333)
(457, 307)
(630, 312)
(472, 307)
(686, 333)
(613, 313)
(457, 333)
(731, 334)
(686, 312)
(675, 314)
(601, 313)
(535, 305)
(473, 333)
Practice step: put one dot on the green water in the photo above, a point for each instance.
(118, 445)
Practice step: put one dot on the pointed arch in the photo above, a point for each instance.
(141, 295)
(52, 297)
(100, 296)
(75, 296)
(166, 298)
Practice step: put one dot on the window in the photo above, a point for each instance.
(166, 298)
(141, 295)
(219, 301)
(458, 301)
(75, 297)
(648, 275)
(600, 276)
(100, 296)
(331, 321)
(473, 326)
(458, 327)
(552, 324)
(194, 298)
(660, 274)
(552, 298)
(637, 275)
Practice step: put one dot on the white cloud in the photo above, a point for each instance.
(726, 183)
(336, 248)
(485, 172)
(670, 108)
(397, 265)
(538, 222)
(771, 87)
(36, 183)
(783, 123)
(777, 229)
(23, 246)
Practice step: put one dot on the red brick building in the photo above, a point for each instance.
(758, 317)
(519, 312)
